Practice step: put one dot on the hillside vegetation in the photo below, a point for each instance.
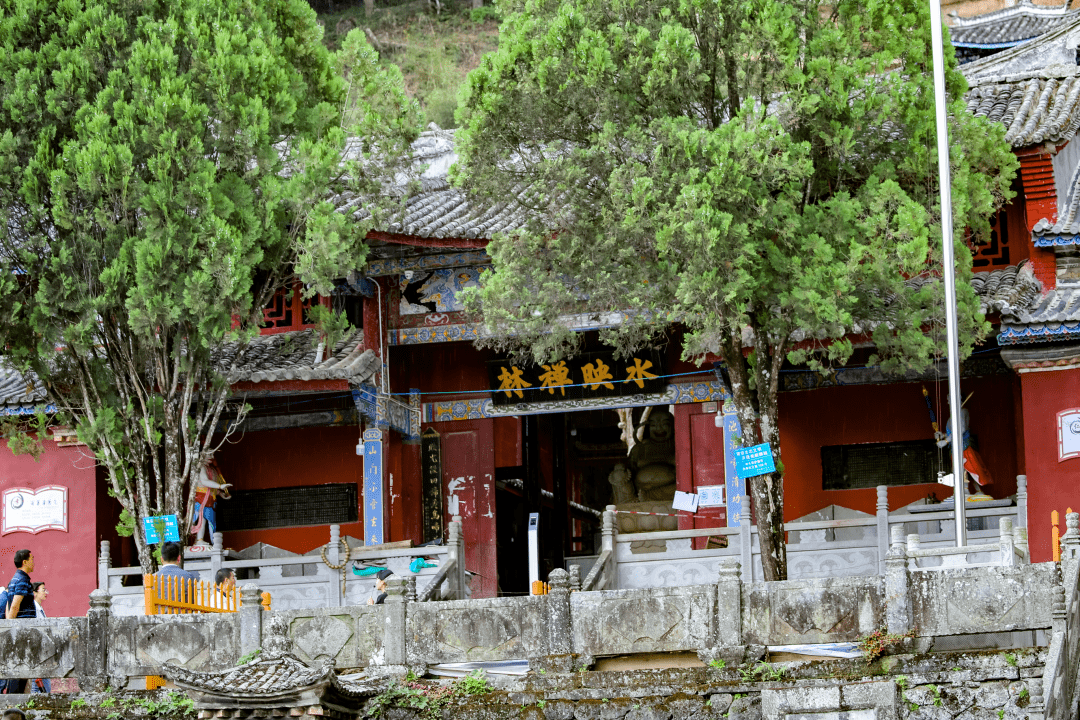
(435, 44)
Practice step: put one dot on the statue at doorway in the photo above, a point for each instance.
(652, 460)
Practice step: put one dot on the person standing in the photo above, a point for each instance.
(172, 555)
(40, 685)
(225, 582)
(20, 603)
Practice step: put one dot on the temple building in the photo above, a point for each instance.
(405, 423)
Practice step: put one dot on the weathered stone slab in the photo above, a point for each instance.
(812, 611)
(982, 600)
(613, 622)
(45, 647)
(474, 630)
(140, 645)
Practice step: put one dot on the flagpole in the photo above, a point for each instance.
(948, 272)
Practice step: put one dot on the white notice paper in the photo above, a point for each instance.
(710, 495)
(685, 501)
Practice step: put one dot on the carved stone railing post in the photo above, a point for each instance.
(1037, 706)
(1020, 540)
(104, 563)
(559, 640)
(746, 542)
(1070, 541)
(333, 554)
(882, 526)
(727, 644)
(1005, 543)
(217, 549)
(410, 588)
(609, 576)
(250, 618)
(455, 545)
(94, 674)
(1021, 501)
(575, 578)
(914, 544)
(898, 616)
(396, 608)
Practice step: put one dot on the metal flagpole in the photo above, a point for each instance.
(949, 273)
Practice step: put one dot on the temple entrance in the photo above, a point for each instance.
(572, 466)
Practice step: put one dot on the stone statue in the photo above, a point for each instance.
(622, 486)
(652, 460)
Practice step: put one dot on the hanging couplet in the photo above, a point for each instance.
(736, 486)
(431, 474)
(373, 488)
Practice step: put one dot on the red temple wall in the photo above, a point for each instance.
(849, 415)
(65, 561)
(1052, 484)
(287, 458)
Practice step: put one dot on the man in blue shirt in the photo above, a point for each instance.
(171, 562)
(20, 603)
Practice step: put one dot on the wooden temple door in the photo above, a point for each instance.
(468, 458)
(699, 461)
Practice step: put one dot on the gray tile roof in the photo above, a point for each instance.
(1052, 318)
(1033, 110)
(434, 209)
(292, 356)
(1009, 26)
(20, 394)
(1002, 290)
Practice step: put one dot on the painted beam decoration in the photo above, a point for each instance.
(592, 375)
(34, 511)
(373, 487)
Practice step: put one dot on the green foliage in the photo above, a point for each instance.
(172, 704)
(879, 642)
(330, 327)
(541, 703)
(25, 436)
(1001, 713)
(484, 14)
(109, 702)
(427, 699)
(475, 683)
(79, 703)
(249, 657)
(30, 704)
(761, 672)
(727, 165)
(1010, 659)
(718, 663)
(165, 167)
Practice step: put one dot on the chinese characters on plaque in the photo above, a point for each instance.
(33, 511)
(373, 487)
(583, 376)
(431, 479)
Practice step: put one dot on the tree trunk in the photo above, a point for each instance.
(766, 491)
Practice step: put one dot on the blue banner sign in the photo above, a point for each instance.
(736, 486)
(754, 460)
(373, 487)
(155, 527)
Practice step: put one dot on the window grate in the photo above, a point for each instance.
(335, 503)
(845, 467)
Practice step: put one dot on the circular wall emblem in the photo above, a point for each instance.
(17, 501)
(1074, 427)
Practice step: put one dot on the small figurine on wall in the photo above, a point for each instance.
(206, 494)
(974, 467)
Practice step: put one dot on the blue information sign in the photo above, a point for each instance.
(755, 460)
(159, 525)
